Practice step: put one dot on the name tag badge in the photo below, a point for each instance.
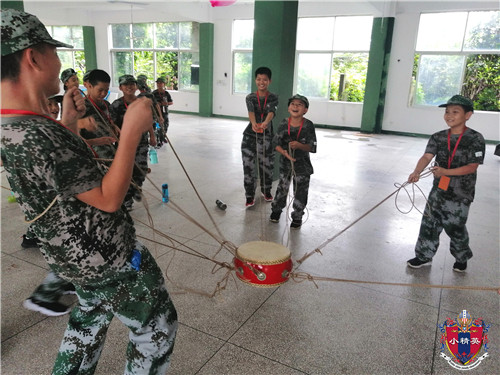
(444, 182)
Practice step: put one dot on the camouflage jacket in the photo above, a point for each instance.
(471, 149)
(261, 111)
(45, 161)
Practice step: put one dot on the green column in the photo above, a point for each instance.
(274, 39)
(206, 69)
(376, 78)
(17, 5)
(89, 47)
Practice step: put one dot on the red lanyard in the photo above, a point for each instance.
(262, 109)
(300, 129)
(30, 113)
(124, 102)
(100, 110)
(450, 158)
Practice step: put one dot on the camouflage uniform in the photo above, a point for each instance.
(302, 167)
(103, 127)
(449, 209)
(89, 247)
(160, 97)
(118, 109)
(258, 146)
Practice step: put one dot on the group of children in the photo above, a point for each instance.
(458, 151)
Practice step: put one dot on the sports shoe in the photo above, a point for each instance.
(417, 263)
(137, 195)
(460, 267)
(69, 289)
(129, 204)
(267, 197)
(296, 224)
(46, 308)
(250, 202)
(29, 242)
(275, 217)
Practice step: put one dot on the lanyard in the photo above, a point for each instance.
(450, 158)
(260, 108)
(100, 110)
(124, 102)
(300, 129)
(30, 113)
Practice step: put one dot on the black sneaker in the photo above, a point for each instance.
(417, 263)
(129, 204)
(250, 202)
(460, 267)
(275, 217)
(267, 197)
(296, 224)
(137, 195)
(29, 242)
(69, 289)
(46, 308)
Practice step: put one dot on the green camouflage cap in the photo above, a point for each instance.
(126, 79)
(160, 79)
(303, 99)
(460, 100)
(142, 77)
(67, 74)
(21, 30)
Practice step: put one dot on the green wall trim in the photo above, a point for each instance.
(18, 5)
(89, 48)
(206, 69)
(376, 77)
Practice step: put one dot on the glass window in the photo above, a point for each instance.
(450, 64)
(155, 52)
(242, 72)
(332, 57)
(315, 33)
(70, 57)
(242, 42)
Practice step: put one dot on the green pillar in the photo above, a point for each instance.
(206, 69)
(17, 5)
(274, 40)
(89, 47)
(376, 78)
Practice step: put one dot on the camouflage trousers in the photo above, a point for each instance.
(51, 289)
(448, 215)
(258, 149)
(139, 299)
(300, 193)
(139, 172)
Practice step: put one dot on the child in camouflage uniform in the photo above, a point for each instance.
(294, 140)
(458, 150)
(258, 138)
(85, 234)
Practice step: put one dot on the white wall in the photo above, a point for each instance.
(398, 117)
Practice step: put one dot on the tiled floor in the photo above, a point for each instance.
(298, 328)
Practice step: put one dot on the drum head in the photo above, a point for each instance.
(263, 252)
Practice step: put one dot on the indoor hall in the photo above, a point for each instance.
(321, 327)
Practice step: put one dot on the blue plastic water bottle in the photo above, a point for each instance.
(164, 193)
(153, 156)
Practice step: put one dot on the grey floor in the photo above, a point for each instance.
(298, 328)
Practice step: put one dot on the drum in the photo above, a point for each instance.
(263, 263)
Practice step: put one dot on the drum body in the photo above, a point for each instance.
(263, 263)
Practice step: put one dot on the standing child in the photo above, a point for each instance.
(258, 137)
(164, 99)
(458, 150)
(69, 78)
(128, 86)
(294, 140)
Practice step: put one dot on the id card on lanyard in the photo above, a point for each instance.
(444, 181)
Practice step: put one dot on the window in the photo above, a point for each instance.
(70, 58)
(464, 59)
(332, 57)
(242, 45)
(168, 49)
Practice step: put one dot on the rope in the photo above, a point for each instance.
(428, 172)
(304, 276)
(43, 213)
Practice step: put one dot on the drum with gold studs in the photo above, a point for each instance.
(263, 263)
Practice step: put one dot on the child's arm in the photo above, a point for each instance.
(152, 137)
(109, 196)
(284, 153)
(268, 119)
(460, 171)
(421, 164)
(296, 145)
(253, 121)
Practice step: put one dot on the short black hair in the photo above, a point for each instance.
(98, 75)
(263, 70)
(11, 64)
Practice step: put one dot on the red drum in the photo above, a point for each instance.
(263, 263)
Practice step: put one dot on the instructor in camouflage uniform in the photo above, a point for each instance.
(85, 234)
